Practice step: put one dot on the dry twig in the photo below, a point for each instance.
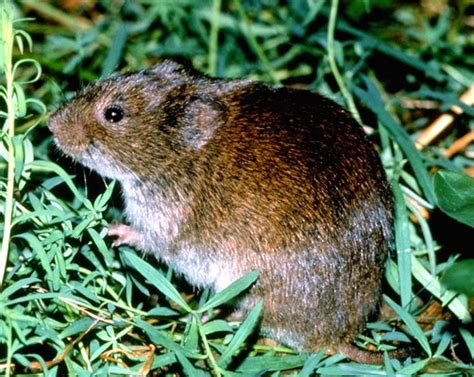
(442, 123)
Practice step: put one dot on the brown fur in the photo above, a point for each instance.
(224, 177)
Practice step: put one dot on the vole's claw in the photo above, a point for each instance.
(124, 233)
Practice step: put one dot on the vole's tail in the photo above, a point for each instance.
(368, 357)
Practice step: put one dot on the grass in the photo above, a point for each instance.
(69, 304)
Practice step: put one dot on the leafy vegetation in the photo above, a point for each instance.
(70, 304)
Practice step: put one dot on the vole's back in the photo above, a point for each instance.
(294, 189)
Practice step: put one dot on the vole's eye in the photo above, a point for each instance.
(114, 114)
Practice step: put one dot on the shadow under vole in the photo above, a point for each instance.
(224, 177)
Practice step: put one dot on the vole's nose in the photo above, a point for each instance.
(54, 119)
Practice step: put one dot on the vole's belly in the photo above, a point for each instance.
(158, 225)
(199, 271)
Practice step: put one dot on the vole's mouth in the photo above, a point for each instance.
(53, 121)
(71, 149)
(91, 157)
(96, 158)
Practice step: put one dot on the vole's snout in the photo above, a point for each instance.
(70, 134)
(53, 122)
(54, 126)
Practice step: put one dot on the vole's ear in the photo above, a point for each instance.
(202, 117)
(173, 67)
(167, 66)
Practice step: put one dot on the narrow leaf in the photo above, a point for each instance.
(49, 166)
(255, 364)
(159, 338)
(231, 291)
(447, 297)
(16, 286)
(311, 364)
(412, 326)
(188, 368)
(155, 278)
(242, 333)
(402, 241)
(468, 339)
(373, 100)
(218, 325)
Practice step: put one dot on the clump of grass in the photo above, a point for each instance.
(71, 305)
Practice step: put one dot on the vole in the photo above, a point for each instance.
(222, 177)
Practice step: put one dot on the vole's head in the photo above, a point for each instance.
(136, 124)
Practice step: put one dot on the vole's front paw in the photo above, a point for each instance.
(125, 235)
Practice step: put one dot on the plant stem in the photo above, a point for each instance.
(332, 61)
(9, 339)
(8, 132)
(213, 39)
(253, 42)
(207, 348)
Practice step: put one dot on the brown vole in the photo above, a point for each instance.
(221, 177)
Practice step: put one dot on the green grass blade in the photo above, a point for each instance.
(344, 369)
(43, 296)
(155, 278)
(413, 327)
(163, 360)
(77, 327)
(115, 51)
(50, 166)
(402, 241)
(191, 334)
(101, 246)
(19, 148)
(468, 339)
(445, 342)
(245, 329)
(412, 369)
(231, 291)
(188, 368)
(447, 297)
(373, 100)
(368, 41)
(38, 248)
(16, 286)
(158, 337)
(100, 204)
(213, 38)
(255, 364)
(311, 364)
(216, 326)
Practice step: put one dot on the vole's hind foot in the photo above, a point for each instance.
(233, 316)
(267, 342)
(236, 316)
(125, 235)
